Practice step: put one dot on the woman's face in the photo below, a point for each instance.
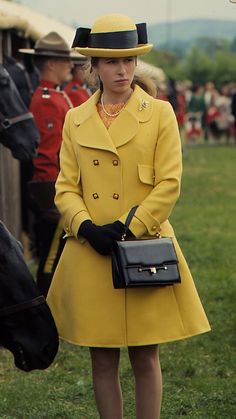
(116, 74)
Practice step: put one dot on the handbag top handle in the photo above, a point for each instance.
(128, 221)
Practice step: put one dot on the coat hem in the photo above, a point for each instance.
(125, 345)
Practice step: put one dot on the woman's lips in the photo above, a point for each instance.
(122, 81)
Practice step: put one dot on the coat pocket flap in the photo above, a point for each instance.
(146, 174)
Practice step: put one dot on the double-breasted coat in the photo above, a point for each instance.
(104, 172)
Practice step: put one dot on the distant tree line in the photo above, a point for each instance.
(208, 59)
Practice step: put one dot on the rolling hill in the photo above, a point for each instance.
(185, 32)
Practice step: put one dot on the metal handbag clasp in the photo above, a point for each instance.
(153, 269)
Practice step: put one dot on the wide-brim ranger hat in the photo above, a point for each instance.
(78, 58)
(50, 45)
(113, 35)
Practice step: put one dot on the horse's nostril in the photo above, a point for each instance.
(20, 358)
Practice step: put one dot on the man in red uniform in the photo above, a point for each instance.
(49, 105)
(76, 89)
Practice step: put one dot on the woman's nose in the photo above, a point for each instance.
(121, 69)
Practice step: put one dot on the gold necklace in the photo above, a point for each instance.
(112, 115)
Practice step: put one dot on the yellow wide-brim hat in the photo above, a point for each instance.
(113, 35)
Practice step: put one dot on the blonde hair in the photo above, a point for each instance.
(147, 84)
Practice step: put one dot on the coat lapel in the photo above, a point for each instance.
(92, 132)
(127, 124)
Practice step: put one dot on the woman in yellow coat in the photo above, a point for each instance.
(121, 148)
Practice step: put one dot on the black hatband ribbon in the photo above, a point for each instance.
(142, 33)
(81, 38)
(111, 40)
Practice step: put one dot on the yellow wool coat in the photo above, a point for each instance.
(137, 161)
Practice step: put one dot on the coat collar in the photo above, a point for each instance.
(138, 110)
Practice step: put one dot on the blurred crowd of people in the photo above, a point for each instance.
(203, 111)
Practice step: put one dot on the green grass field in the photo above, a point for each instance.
(198, 373)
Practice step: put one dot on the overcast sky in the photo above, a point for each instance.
(84, 12)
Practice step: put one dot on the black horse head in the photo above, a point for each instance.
(18, 131)
(27, 327)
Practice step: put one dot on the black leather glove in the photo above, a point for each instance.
(119, 228)
(100, 237)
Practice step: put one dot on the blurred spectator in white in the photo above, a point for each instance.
(220, 113)
(188, 85)
(209, 99)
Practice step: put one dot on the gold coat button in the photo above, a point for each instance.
(96, 162)
(95, 196)
(115, 196)
(115, 162)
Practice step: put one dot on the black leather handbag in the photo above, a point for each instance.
(144, 262)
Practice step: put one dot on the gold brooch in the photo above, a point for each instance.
(143, 105)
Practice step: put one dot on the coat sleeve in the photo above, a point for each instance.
(68, 197)
(157, 206)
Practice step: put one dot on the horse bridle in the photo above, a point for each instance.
(6, 311)
(6, 123)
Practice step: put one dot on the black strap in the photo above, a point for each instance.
(128, 220)
(6, 123)
(6, 311)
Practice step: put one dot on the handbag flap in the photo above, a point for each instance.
(150, 252)
(143, 262)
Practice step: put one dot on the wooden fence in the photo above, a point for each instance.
(10, 206)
